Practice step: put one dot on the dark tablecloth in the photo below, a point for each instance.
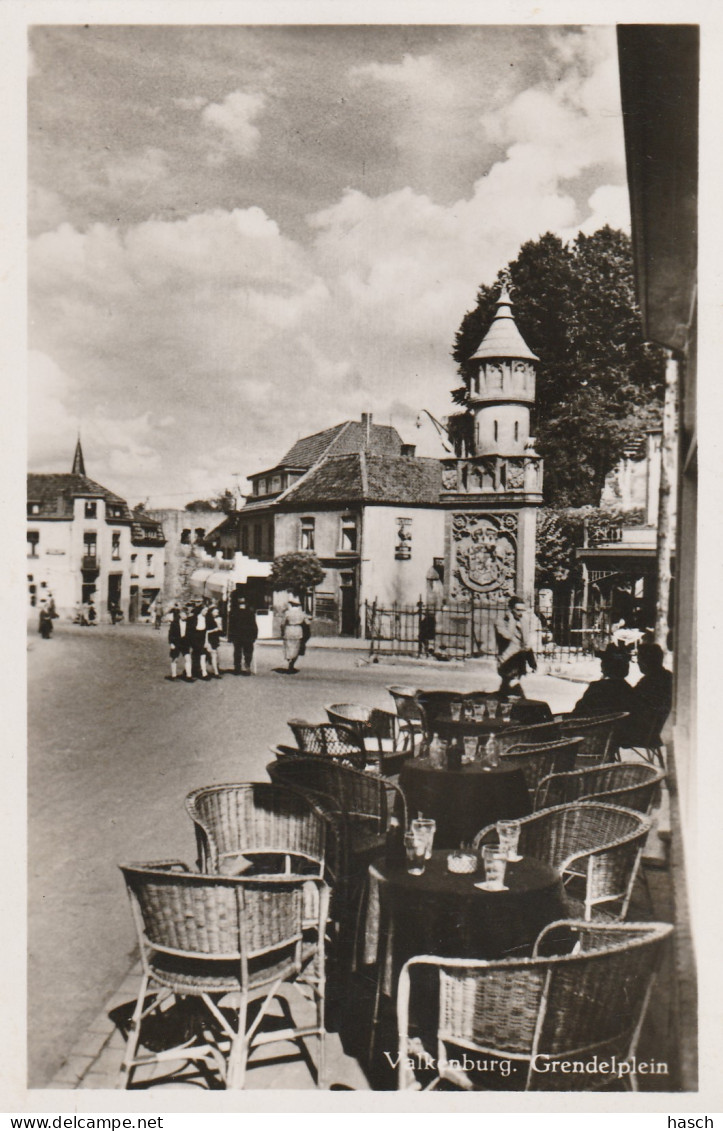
(463, 801)
(445, 914)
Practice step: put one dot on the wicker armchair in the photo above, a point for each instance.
(601, 734)
(377, 731)
(202, 937)
(332, 741)
(257, 819)
(409, 713)
(363, 802)
(584, 1007)
(534, 734)
(596, 847)
(633, 785)
(538, 762)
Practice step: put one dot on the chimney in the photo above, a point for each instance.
(408, 449)
(366, 419)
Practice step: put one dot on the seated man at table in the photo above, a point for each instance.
(612, 693)
(653, 697)
(516, 632)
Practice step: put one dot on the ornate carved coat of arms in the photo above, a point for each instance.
(485, 555)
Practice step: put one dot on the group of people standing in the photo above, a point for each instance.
(195, 629)
(194, 635)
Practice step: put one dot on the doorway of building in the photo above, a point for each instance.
(134, 604)
(114, 590)
(348, 604)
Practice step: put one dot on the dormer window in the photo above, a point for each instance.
(91, 508)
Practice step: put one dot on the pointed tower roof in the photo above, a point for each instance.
(503, 339)
(78, 461)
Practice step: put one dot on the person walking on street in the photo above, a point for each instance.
(176, 632)
(197, 628)
(517, 632)
(45, 621)
(242, 632)
(293, 624)
(213, 639)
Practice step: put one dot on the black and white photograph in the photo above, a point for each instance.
(361, 560)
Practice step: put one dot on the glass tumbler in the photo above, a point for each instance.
(414, 848)
(494, 865)
(509, 834)
(425, 828)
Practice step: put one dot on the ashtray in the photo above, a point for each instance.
(462, 863)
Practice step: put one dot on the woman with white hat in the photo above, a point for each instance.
(293, 623)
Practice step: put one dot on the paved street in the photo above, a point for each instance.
(113, 750)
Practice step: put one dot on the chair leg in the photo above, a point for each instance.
(133, 1035)
(321, 1022)
(238, 1055)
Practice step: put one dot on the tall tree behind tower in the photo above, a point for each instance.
(598, 383)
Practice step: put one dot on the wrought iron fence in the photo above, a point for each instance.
(458, 630)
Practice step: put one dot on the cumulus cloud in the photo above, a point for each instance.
(233, 119)
(209, 343)
(117, 448)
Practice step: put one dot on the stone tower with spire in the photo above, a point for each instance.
(492, 491)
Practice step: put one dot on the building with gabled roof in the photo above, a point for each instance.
(85, 545)
(390, 527)
(365, 504)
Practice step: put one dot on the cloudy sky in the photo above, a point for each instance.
(241, 235)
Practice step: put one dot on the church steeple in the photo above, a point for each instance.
(78, 461)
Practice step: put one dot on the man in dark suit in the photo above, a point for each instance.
(242, 632)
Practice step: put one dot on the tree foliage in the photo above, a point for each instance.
(297, 572)
(598, 383)
(225, 501)
(561, 530)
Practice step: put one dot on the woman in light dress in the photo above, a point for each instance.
(293, 623)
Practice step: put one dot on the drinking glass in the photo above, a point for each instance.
(470, 749)
(506, 711)
(479, 712)
(455, 710)
(424, 828)
(509, 834)
(414, 847)
(492, 705)
(494, 865)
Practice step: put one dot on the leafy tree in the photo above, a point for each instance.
(297, 572)
(225, 501)
(598, 383)
(561, 530)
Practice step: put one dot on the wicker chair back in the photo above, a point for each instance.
(633, 785)
(234, 820)
(570, 1006)
(538, 761)
(600, 733)
(330, 740)
(601, 844)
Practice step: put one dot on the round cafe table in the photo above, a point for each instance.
(463, 801)
(446, 914)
